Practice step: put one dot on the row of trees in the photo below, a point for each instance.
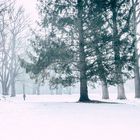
(86, 41)
(12, 29)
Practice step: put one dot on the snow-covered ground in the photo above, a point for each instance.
(60, 118)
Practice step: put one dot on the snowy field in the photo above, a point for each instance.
(60, 118)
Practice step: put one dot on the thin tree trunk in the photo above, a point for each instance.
(82, 57)
(69, 91)
(12, 80)
(13, 90)
(105, 93)
(38, 89)
(33, 89)
(5, 89)
(23, 87)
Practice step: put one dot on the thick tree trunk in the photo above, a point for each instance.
(121, 91)
(82, 57)
(137, 81)
(83, 89)
(137, 74)
(105, 93)
(120, 84)
(116, 48)
(136, 67)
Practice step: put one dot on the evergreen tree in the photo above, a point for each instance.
(83, 41)
(121, 12)
(98, 46)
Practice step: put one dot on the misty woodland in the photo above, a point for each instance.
(85, 42)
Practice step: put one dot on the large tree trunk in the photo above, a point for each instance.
(136, 67)
(137, 80)
(82, 57)
(116, 48)
(120, 84)
(105, 93)
(137, 75)
(120, 88)
(121, 91)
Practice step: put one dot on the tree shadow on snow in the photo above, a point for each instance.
(98, 102)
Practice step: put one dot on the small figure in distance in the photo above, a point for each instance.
(24, 97)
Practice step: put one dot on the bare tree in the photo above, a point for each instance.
(17, 27)
(12, 30)
(4, 54)
(3, 7)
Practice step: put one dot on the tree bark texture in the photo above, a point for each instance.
(105, 93)
(5, 89)
(116, 48)
(121, 91)
(12, 80)
(82, 57)
(136, 66)
(13, 90)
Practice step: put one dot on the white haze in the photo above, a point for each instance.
(30, 8)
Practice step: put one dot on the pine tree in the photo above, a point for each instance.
(68, 19)
(98, 46)
(83, 41)
(122, 41)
